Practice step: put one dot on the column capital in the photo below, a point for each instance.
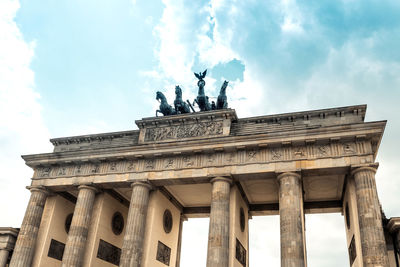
(144, 183)
(394, 225)
(225, 178)
(38, 188)
(90, 187)
(364, 167)
(284, 174)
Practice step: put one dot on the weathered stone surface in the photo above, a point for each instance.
(291, 221)
(78, 232)
(373, 242)
(132, 248)
(26, 242)
(218, 235)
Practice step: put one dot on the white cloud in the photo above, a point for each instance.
(293, 18)
(176, 49)
(22, 129)
(248, 96)
(186, 32)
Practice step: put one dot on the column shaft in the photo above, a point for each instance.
(78, 232)
(373, 242)
(132, 248)
(291, 221)
(3, 257)
(218, 235)
(26, 242)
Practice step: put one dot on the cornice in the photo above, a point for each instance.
(359, 110)
(91, 137)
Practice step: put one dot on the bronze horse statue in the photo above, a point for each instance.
(165, 108)
(202, 99)
(222, 101)
(180, 105)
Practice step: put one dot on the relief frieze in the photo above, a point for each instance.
(230, 158)
(252, 155)
(169, 163)
(132, 165)
(349, 148)
(322, 150)
(184, 131)
(188, 161)
(299, 152)
(200, 160)
(78, 169)
(276, 154)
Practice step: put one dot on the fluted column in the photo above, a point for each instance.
(3, 257)
(78, 232)
(218, 234)
(373, 242)
(132, 248)
(290, 206)
(26, 242)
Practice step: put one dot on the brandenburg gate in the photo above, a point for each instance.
(120, 199)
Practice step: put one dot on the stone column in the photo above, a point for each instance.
(78, 232)
(132, 248)
(291, 221)
(26, 241)
(373, 242)
(3, 257)
(218, 234)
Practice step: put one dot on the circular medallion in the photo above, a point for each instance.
(68, 221)
(117, 223)
(242, 220)
(347, 216)
(167, 221)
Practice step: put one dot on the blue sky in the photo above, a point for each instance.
(79, 67)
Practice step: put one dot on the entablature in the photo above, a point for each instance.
(369, 133)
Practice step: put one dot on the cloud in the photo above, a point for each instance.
(22, 129)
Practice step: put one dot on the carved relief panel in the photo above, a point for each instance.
(210, 159)
(201, 129)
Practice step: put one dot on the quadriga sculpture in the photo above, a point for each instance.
(165, 108)
(201, 100)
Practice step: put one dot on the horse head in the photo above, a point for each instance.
(178, 91)
(160, 96)
(201, 84)
(223, 87)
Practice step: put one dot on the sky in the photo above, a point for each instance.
(80, 67)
